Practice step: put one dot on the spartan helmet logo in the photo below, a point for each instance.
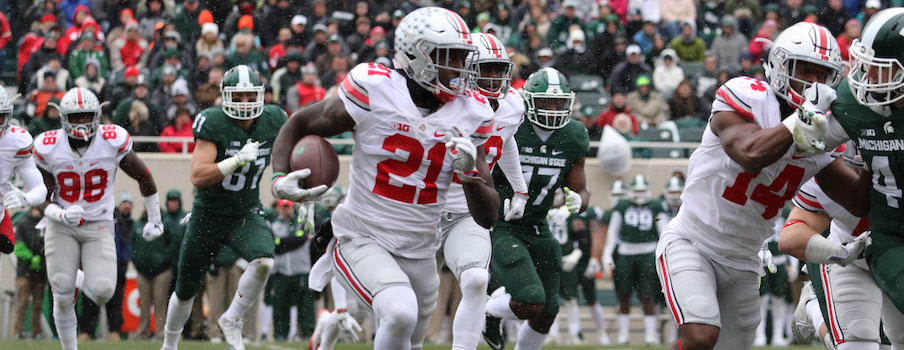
(888, 128)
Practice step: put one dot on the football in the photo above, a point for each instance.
(315, 153)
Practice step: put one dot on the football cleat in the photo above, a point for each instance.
(232, 332)
(801, 324)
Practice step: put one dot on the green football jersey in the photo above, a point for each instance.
(239, 192)
(880, 139)
(638, 224)
(592, 214)
(545, 166)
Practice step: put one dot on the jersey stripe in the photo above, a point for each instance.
(808, 202)
(23, 153)
(355, 92)
(834, 323)
(39, 156)
(484, 130)
(728, 97)
(125, 145)
(670, 293)
(81, 103)
(346, 272)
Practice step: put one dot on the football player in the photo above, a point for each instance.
(739, 179)
(15, 155)
(466, 245)
(233, 146)
(526, 257)
(634, 228)
(414, 127)
(78, 163)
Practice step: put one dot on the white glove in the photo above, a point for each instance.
(766, 258)
(248, 153)
(514, 208)
(852, 250)
(462, 150)
(818, 98)
(184, 220)
(347, 324)
(573, 201)
(607, 267)
(593, 267)
(289, 187)
(808, 125)
(73, 216)
(571, 260)
(15, 198)
(152, 230)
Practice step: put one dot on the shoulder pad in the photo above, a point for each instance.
(362, 79)
(115, 136)
(46, 141)
(742, 94)
(20, 140)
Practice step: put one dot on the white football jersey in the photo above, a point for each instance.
(15, 152)
(845, 226)
(728, 211)
(400, 171)
(506, 120)
(85, 180)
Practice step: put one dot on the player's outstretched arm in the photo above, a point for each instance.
(483, 200)
(204, 169)
(324, 118)
(577, 182)
(135, 168)
(748, 144)
(846, 186)
(37, 191)
(801, 226)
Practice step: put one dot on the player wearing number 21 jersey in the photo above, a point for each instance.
(79, 165)
(414, 128)
(739, 179)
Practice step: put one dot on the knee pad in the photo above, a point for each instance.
(396, 309)
(63, 301)
(261, 266)
(102, 290)
(703, 307)
(474, 281)
(533, 294)
(862, 330)
(61, 283)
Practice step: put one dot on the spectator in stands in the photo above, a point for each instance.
(647, 104)
(129, 50)
(767, 31)
(279, 16)
(675, 15)
(153, 260)
(292, 74)
(729, 45)
(38, 59)
(834, 17)
(125, 16)
(208, 94)
(186, 19)
(576, 59)
(702, 80)
(299, 32)
(318, 13)
(338, 70)
(710, 94)
(634, 24)
(155, 12)
(49, 120)
(293, 230)
(617, 114)
(368, 53)
(667, 74)
(118, 89)
(559, 30)
(38, 99)
(652, 56)
(77, 23)
(84, 52)
(172, 64)
(91, 80)
(745, 61)
(31, 274)
(140, 124)
(869, 9)
(625, 73)
(42, 11)
(846, 38)
(33, 41)
(127, 117)
(358, 39)
(686, 104)
(305, 91)
(181, 98)
(247, 55)
(54, 66)
(689, 46)
(334, 48)
(792, 12)
(746, 12)
(644, 37)
(317, 46)
(179, 126)
(209, 39)
(543, 58)
(594, 130)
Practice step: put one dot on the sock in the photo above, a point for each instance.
(779, 308)
(64, 316)
(529, 339)
(624, 321)
(470, 316)
(761, 328)
(251, 284)
(858, 345)
(177, 313)
(649, 324)
(395, 308)
(596, 312)
(500, 307)
(339, 295)
(554, 329)
(815, 314)
(574, 317)
(827, 341)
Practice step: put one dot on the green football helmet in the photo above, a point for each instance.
(877, 77)
(242, 79)
(673, 190)
(640, 190)
(548, 98)
(617, 192)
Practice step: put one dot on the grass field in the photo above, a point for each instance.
(146, 345)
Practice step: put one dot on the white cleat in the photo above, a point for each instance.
(604, 338)
(652, 339)
(551, 340)
(801, 324)
(623, 339)
(779, 342)
(575, 340)
(232, 332)
(759, 341)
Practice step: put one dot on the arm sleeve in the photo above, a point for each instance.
(662, 220)
(511, 165)
(339, 301)
(612, 235)
(37, 191)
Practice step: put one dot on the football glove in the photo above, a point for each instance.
(573, 201)
(289, 187)
(35, 262)
(152, 230)
(808, 128)
(852, 250)
(15, 198)
(608, 265)
(766, 259)
(347, 324)
(462, 150)
(248, 153)
(593, 267)
(818, 98)
(185, 219)
(71, 216)
(571, 260)
(513, 208)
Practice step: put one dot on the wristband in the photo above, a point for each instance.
(275, 175)
(152, 205)
(54, 211)
(819, 249)
(228, 165)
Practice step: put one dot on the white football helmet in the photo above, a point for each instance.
(6, 111)
(490, 52)
(879, 49)
(806, 42)
(640, 190)
(422, 39)
(673, 190)
(79, 101)
(617, 192)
